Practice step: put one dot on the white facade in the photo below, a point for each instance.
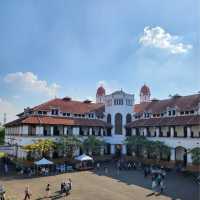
(119, 108)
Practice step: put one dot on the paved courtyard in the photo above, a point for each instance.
(92, 185)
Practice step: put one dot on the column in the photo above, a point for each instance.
(101, 131)
(172, 155)
(37, 130)
(41, 130)
(124, 151)
(25, 130)
(65, 130)
(90, 131)
(188, 131)
(77, 131)
(51, 130)
(133, 131)
(189, 158)
(145, 132)
(102, 151)
(112, 149)
(171, 131)
(157, 131)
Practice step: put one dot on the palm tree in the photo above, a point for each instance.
(69, 145)
(139, 144)
(136, 143)
(157, 149)
(195, 155)
(41, 147)
(93, 145)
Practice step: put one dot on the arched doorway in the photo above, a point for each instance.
(118, 124)
(118, 150)
(109, 118)
(181, 155)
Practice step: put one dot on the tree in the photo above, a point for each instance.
(68, 145)
(2, 135)
(155, 149)
(93, 145)
(40, 147)
(195, 155)
(136, 143)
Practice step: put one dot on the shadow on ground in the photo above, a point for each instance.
(178, 186)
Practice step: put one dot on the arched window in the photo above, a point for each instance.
(109, 118)
(128, 118)
(118, 123)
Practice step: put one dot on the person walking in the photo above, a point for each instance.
(162, 186)
(70, 184)
(62, 187)
(2, 193)
(66, 189)
(6, 168)
(153, 186)
(48, 190)
(27, 193)
(98, 166)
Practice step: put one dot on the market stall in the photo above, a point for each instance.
(84, 162)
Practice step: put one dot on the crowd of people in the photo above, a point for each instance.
(157, 176)
(65, 188)
(156, 173)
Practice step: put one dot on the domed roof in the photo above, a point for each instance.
(101, 91)
(145, 90)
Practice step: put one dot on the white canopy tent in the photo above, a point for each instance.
(43, 161)
(83, 157)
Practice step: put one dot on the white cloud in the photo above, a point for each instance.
(9, 108)
(28, 81)
(157, 37)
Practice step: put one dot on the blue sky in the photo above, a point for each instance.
(69, 47)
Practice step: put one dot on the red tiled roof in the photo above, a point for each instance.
(166, 121)
(139, 108)
(182, 103)
(47, 120)
(71, 106)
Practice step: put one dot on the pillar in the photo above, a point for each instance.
(124, 151)
(65, 130)
(189, 157)
(172, 155)
(102, 151)
(51, 130)
(90, 131)
(171, 131)
(188, 131)
(112, 149)
(157, 132)
(75, 131)
(133, 131)
(145, 132)
(39, 130)
(101, 131)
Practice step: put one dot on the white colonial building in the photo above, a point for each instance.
(175, 121)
